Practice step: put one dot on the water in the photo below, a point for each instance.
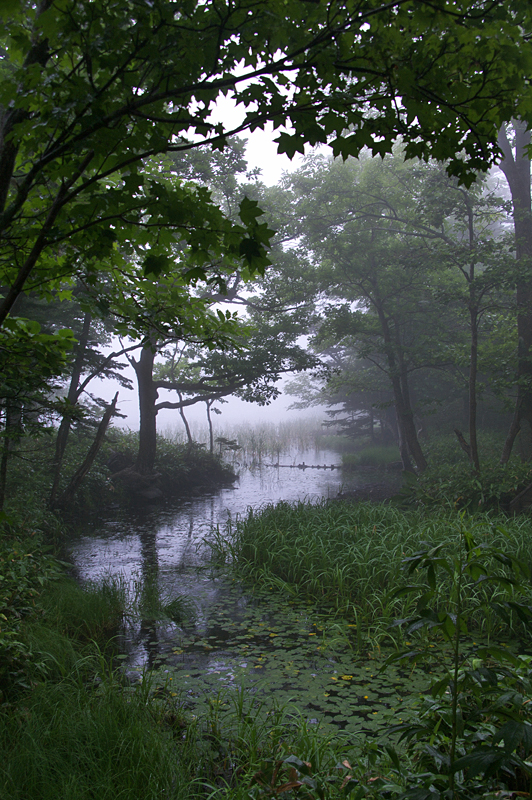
(276, 649)
(170, 539)
(165, 545)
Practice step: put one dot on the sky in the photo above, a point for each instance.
(261, 150)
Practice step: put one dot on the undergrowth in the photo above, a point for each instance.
(371, 456)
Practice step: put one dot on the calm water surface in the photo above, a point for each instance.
(166, 544)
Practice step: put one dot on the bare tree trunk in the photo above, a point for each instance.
(72, 398)
(209, 403)
(148, 394)
(408, 441)
(463, 444)
(12, 432)
(473, 368)
(185, 423)
(80, 474)
(6, 445)
(515, 427)
(473, 350)
(516, 168)
(409, 425)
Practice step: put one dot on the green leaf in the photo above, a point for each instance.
(155, 265)
(249, 210)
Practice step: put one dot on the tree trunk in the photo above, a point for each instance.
(409, 425)
(473, 368)
(148, 412)
(72, 398)
(517, 171)
(12, 433)
(400, 410)
(208, 403)
(185, 423)
(473, 350)
(80, 474)
(408, 441)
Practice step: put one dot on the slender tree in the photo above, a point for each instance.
(400, 252)
(516, 168)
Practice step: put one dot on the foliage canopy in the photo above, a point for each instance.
(91, 91)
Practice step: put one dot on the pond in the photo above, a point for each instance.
(275, 646)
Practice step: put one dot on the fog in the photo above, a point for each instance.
(233, 410)
(261, 153)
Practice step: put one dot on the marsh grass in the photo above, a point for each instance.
(92, 611)
(263, 443)
(81, 739)
(75, 741)
(243, 748)
(349, 556)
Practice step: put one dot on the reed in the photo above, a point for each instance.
(349, 556)
(266, 442)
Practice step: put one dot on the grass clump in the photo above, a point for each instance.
(350, 556)
(91, 612)
(75, 741)
(148, 603)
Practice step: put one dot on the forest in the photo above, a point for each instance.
(374, 644)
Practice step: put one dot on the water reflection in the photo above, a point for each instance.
(162, 546)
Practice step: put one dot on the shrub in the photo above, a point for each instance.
(25, 567)
(457, 487)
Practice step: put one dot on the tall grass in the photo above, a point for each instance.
(147, 602)
(79, 741)
(75, 741)
(263, 442)
(349, 556)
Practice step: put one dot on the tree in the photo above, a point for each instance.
(473, 245)
(260, 338)
(87, 363)
(400, 252)
(516, 168)
(92, 91)
(94, 97)
(30, 361)
(356, 393)
(369, 272)
(249, 369)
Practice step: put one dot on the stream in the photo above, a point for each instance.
(232, 636)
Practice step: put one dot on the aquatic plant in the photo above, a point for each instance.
(147, 602)
(349, 556)
(266, 441)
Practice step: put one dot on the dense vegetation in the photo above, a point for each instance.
(130, 228)
(71, 721)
